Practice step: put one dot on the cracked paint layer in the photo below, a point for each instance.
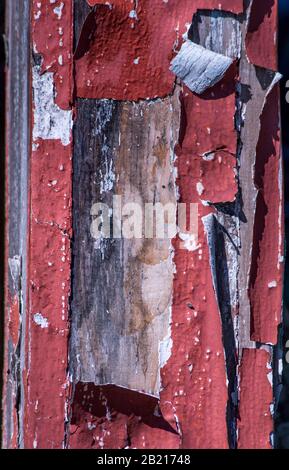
(52, 39)
(213, 148)
(266, 276)
(49, 229)
(111, 40)
(255, 423)
(49, 289)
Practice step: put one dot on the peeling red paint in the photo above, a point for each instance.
(14, 320)
(263, 24)
(52, 39)
(49, 289)
(197, 364)
(45, 374)
(214, 131)
(198, 356)
(210, 147)
(226, 5)
(255, 422)
(223, 167)
(112, 417)
(267, 253)
(13, 331)
(119, 54)
(207, 131)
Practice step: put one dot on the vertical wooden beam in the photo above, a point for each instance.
(18, 155)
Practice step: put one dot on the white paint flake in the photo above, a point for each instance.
(58, 10)
(272, 284)
(208, 156)
(133, 14)
(190, 241)
(165, 350)
(198, 67)
(200, 188)
(108, 178)
(270, 378)
(40, 320)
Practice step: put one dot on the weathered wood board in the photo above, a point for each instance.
(122, 287)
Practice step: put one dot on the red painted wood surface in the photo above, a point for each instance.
(263, 25)
(130, 51)
(266, 274)
(45, 374)
(126, 56)
(255, 423)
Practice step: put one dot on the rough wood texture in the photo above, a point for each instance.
(18, 113)
(122, 289)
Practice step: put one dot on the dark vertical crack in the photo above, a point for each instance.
(217, 235)
(229, 214)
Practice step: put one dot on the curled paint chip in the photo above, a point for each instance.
(198, 67)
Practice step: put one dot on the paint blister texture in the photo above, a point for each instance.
(255, 421)
(49, 258)
(52, 39)
(125, 55)
(49, 290)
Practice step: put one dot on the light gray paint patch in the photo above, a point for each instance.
(198, 67)
(15, 270)
(50, 121)
(40, 320)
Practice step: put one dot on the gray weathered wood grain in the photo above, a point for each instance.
(122, 288)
